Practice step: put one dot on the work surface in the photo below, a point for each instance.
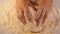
(5, 7)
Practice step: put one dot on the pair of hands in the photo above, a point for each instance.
(36, 14)
(42, 10)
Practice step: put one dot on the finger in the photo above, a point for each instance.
(19, 10)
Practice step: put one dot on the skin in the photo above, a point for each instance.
(21, 5)
(42, 11)
(44, 7)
